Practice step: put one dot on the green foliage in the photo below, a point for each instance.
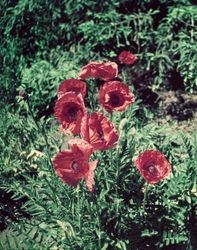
(163, 36)
(116, 215)
(45, 42)
(177, 36)
(41, 80)
(124, 30)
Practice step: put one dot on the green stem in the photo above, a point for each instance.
(192, 31)
(145, 197)
(111, 155)
(78, 208)
(117, 171)
(98, 218)
(105, 170)
(117, 181)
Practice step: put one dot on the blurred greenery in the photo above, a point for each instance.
(45, 42)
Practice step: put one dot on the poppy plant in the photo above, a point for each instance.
(115, 96)
(99, 132)
(72, 165)
(153, 166)
(105, 71)
(127, 57)
(72, 85)
(69, 111)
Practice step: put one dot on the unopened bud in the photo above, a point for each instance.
(123, 123)
(23, 94)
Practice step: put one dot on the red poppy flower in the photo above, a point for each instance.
(99, 132)
(153, 166)
(69, 111)
(116, 96)
(72, 165)
(105, 71)
(127, 57)
(73, 85)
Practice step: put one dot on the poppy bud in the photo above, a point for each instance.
(23, 94)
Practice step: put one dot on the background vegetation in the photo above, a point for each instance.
(45, 42)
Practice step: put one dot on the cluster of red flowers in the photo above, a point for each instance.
(96, 130)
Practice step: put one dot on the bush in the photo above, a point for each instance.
(161, 34)
(118, 214)
(44, 43)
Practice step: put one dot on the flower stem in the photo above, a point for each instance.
(145, 196)
(94, 198)
(111, 155)
(78, 208)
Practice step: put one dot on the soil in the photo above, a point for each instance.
(172, 105)
(10, 209)
(177, 105)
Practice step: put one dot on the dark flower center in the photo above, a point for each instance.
(115, 100)
(151, 169)
(100, 135)
(74, 89)
(72, 113)
(75, 166)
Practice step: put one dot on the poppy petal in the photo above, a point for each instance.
(89, 179)
(72, 165)
(115, 96)
(100, 132)
(153, 166)
(69, 111)
(105, 71)
(81, 146)
(72, 85)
